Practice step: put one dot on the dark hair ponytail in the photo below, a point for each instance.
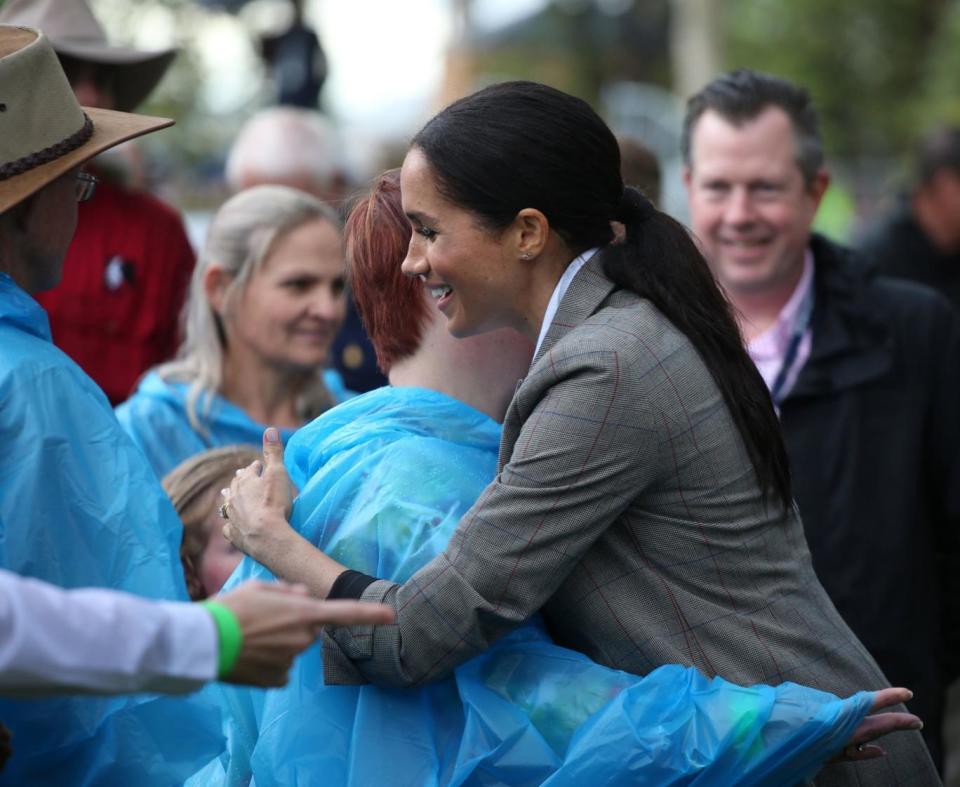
(659, 261)
(524, 145)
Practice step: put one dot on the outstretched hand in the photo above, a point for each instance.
(257, 504)
(279, 621)
(860, 745)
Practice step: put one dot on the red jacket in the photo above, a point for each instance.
(116, 311)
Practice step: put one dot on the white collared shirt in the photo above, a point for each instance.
(559, 291)
(99, 640)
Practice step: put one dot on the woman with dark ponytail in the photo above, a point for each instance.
(660, 262)
(643, 497)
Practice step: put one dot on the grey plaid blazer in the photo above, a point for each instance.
(627, 509)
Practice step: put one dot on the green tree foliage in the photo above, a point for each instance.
(941, 102)
(880, 72)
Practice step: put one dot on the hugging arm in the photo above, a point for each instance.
(581, 455)
(579, 459)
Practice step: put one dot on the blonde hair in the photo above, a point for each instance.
(240, 238)
(188, 486)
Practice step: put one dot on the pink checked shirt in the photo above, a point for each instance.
(768, 350)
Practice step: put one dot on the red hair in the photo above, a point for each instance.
(391, 305)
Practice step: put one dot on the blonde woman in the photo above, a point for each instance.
(266, 301)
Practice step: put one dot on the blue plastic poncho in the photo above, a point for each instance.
(156, 419)
(384, 479)
(80, 507)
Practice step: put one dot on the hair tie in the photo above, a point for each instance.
(634, 207)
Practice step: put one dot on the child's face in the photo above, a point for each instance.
(219, 557)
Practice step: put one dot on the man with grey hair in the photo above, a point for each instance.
(864, 372)
(290, 147)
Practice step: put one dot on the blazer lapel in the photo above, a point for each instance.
(587, 291)
(589, 288)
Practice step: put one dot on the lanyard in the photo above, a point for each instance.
(800, 326)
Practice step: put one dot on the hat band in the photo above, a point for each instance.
(25, 163)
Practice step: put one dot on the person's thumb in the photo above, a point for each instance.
(272, 447)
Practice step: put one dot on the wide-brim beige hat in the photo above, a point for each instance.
(44, 132)
(74, 32)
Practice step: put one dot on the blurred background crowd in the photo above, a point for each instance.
(880, 74)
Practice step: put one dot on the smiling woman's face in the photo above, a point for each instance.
(293, 305)
(471, 272)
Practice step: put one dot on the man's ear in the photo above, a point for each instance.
(216, 283)
(818, 186)
(532, 230)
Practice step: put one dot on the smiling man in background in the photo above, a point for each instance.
(863, 370)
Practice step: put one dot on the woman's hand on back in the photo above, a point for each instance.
(258, 503)
(860, 746)
(257, 506)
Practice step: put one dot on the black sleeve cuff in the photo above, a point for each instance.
(350, 585)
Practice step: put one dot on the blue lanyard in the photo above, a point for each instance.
(800, 325)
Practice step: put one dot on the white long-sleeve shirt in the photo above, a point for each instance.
(103, 641)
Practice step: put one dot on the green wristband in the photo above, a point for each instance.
(230, 635)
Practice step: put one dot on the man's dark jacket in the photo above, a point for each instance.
(873, 432)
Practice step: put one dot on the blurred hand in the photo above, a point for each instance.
(258, 504)
(279, 621)
(859, 747)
